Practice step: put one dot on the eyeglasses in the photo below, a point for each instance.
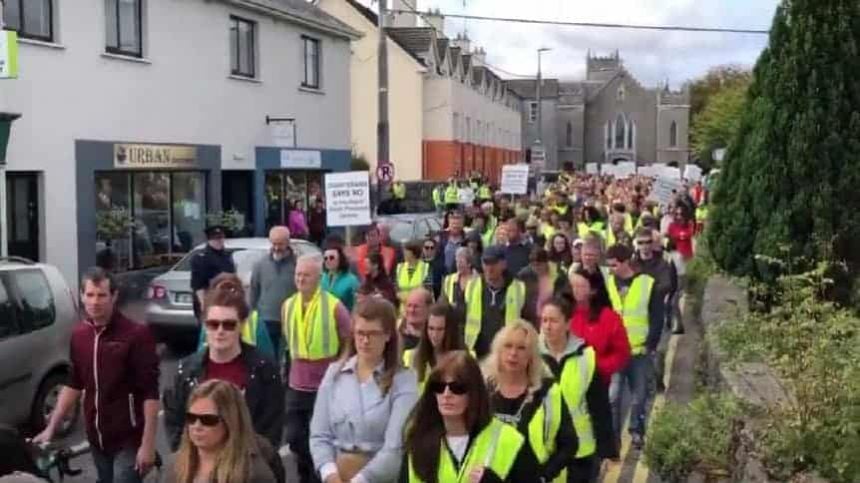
(456, 388)
(429, 247)
(227, 325)
(368, 335)
(330, 258)
(207, 420)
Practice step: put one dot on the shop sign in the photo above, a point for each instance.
(8, 54)
(301, 159)
(347, 198)
(150, 156)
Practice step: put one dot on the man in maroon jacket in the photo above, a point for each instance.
(115, 365)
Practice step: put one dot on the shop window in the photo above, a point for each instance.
(32, 19)
(189, 219)
(286, 189)
(113, 219)
(124, 27)
(152, 233)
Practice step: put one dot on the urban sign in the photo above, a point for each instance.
(347, 198)
(149, 156)
(8, 54)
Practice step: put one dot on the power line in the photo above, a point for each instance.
(671, 28)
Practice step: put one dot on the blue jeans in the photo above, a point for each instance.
(636, 376)
(116, 468)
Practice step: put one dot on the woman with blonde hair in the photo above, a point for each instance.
(524, 394)
(363, 403)
(219, 444)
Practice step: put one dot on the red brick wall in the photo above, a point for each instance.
(443, 158)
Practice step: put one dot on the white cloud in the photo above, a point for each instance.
(651, 56)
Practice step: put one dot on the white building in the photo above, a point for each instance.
(162, 108)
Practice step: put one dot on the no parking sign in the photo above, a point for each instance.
(385, 172)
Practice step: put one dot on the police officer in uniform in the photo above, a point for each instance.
(208, 263)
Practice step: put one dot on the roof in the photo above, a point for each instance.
(417, 40)
(373, 18)
(302, 12)
(527, 88)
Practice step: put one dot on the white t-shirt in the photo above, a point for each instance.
(458, 445)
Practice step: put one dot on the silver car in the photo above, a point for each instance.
(412, 226)
(37, 314)
(169, 312)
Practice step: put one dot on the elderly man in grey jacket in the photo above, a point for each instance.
(272, 282)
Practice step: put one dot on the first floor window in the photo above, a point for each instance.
(32, 19)
(312, 62)
(123, 19)
(242, 47)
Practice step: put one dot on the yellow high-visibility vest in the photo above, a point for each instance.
(496, 447)
(576, 377)
(452, 195)
(543, 428)
(311, 334)
(484, 193)
(633, 309)
(515, 297)
(398, 189)
(405, 283)
(583, 229)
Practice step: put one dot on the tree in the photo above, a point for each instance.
(790, 185)
(716, 80)
(716, 124)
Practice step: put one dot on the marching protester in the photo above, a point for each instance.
(574, 365)
(373, 245)
(525, 395)
(316, 325)
(415, 313)
(273, 280)
(412, 273)
(453, 436)
(338, 280)
(226, 357)
(454, 285)
(517, 248)
(451, 239)
(218, 442)
(632, 295)
(543, 280)
(561, 252)
(436, 265)
(442, 333)
(363, 403)
(115, 369)
(680, 232)
(208, 263)
(378, 281)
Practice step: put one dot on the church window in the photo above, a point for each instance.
(569, 135)
(620, 132)
(673, 135)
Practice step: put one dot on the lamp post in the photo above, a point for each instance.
(539, 140)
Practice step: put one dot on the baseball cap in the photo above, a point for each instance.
(493, 254)
(214, 231)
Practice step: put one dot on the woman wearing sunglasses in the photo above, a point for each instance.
(574, 366)
(363, 402)
(524, 394)
(226, 357)
(443, 333)
(337, 279)
(219, 444)
(452, 435)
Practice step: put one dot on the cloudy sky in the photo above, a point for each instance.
(651, 56)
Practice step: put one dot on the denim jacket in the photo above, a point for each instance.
(354, 417)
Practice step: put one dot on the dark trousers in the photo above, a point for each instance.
(583, 470)
(300, 408)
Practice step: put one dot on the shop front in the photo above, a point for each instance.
(142, 206)
(292, 178)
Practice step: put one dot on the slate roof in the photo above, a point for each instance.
(527, 88)
(306, 12)
(414, 39)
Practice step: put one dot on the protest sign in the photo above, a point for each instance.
(347, 198)
(515, 179)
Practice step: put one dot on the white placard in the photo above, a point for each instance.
(625, 169)
(662, 190)
(609, 169)
(515, 179)
(591, 168)
(467, 196)
(645, 171)
(301, 159)
(693, 173)
(347, 198)
(283, 133)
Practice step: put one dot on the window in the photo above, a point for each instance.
(533, 111)
(569, 135)
(242, 47)
(32, 19)
(312, 62)
(673, 135)
(467, 136)
(124, 35)
(620, 132)
(631, 135)
(8, 324)
(36, 301)
(607, 133)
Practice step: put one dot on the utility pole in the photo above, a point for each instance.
(382, 128)
(540, 106)
(4, 223)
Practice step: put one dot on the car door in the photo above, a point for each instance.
(15, 371)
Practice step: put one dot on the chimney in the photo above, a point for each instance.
(436, 20)
(479, 56)
(463, 42)
(408, 19)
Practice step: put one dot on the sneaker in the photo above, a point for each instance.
(637, 441)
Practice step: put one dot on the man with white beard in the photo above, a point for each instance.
(272, 282)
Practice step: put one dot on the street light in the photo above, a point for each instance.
(539, 140)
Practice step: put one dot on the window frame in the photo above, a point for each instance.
(533, 107)
(317, 44)
(673, 134)
(119, 50)
(21, 30)
(16, 297)
(568, 134)
(15, 323)
(236, 69)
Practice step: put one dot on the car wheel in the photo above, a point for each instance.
(46, 401)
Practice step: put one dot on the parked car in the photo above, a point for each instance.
(37, 314)
(169, 312)
(411, 226)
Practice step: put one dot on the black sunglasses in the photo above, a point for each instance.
(207, 420)
(457, 388)
(329, 258)
(227, 325)
(429, 247)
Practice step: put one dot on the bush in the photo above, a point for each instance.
(694, 437)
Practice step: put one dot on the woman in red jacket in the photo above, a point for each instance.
(598, 324)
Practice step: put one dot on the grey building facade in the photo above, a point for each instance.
(607, 117)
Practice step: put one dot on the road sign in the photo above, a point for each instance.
(515, 179)
(347, 198)
(385, 172)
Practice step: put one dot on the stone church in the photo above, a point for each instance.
(607, 117)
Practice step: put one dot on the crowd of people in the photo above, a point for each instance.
(496, 350)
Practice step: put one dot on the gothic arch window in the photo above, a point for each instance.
(631, 135)
(673, 135)
(569, 135)
(620, 132)
(607, 133)
(621, 93)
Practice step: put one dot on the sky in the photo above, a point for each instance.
(653, 57)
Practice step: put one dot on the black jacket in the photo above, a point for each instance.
(264, 395)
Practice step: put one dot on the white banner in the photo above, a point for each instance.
(347, 198)
(664, 189)
(625, 169)
(693, 173)
(646, 171)
(591, 168)
(515, 179)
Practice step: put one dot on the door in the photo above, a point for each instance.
(22, 198)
